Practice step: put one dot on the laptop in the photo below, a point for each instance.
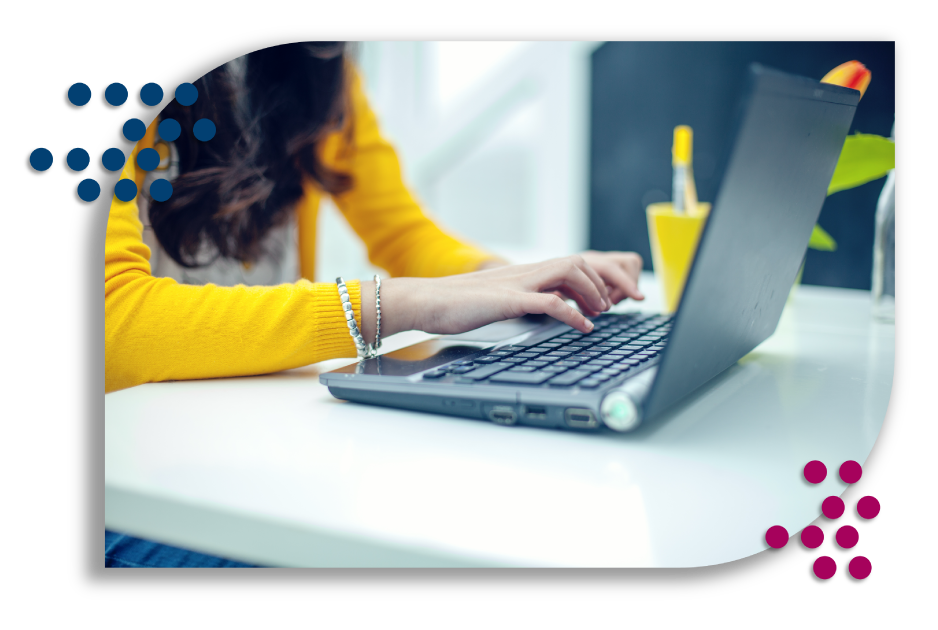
(633, 367)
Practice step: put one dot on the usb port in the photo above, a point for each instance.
(580, 419)
(502, 414)
(535, 413)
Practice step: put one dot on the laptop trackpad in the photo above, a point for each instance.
(498, 331)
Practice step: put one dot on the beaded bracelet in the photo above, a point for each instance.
(365, 350)
(377, 344)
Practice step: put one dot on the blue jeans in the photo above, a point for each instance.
(124, 551)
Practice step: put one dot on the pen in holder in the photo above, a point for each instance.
(674, 237)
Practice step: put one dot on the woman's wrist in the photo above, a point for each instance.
(399, 310)
(492, 263)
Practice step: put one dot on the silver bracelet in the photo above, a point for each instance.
(377, 343)
(365, 350)
(350, 318)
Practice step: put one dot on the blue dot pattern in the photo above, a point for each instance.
(79, 94)
(148, 159)
(77, 159)
(169, 130)
(88, 190)
(161, 190)
(151, 94)
(113, 159)
(134, 129)
(40, 159)
(186, 94)
(115, 94)
(204, 129)
(125, 190)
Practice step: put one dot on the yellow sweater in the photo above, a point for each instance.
(156, 329)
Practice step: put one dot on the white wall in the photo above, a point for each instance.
(493, 140)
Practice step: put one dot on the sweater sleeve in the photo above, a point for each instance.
(400, 238)
(156, 329)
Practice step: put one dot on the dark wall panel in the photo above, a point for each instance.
(642, 90)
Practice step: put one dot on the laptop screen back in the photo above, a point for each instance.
(789, 137)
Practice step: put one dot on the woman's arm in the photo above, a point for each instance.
(157, 329)
(400, 238)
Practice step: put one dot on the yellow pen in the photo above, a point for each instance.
(683, 192)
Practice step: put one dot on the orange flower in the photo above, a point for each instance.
(852, 74)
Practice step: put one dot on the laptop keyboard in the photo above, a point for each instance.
(617, 346)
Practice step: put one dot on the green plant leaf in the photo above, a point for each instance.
(821, 240)
(865, 157)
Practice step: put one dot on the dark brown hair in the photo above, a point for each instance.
(271, 109)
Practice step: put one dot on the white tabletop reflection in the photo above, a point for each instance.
(272, 469)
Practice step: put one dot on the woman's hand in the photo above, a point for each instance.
(619, 270)
(456, 304)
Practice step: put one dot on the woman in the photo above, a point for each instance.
(215, 281)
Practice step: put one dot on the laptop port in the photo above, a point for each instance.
(535, 413)
(581, 419)
(503, 414)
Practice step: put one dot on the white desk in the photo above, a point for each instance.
(273, 470)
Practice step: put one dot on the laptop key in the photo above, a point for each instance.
(568, 378)
(485, 371)
(590, 383)
(486, 360)
(554, 368)
(521, 378)
(434, 374)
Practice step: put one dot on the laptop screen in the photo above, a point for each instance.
(788, 139)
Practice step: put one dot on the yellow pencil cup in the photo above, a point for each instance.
(674, 239)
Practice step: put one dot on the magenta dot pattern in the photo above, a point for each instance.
(815, 471)
(846, 536)
(833, 507)
(825, 567)
(860, 568)
(850, 472)
(776, 537)
(868, 507)
(812, 536)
